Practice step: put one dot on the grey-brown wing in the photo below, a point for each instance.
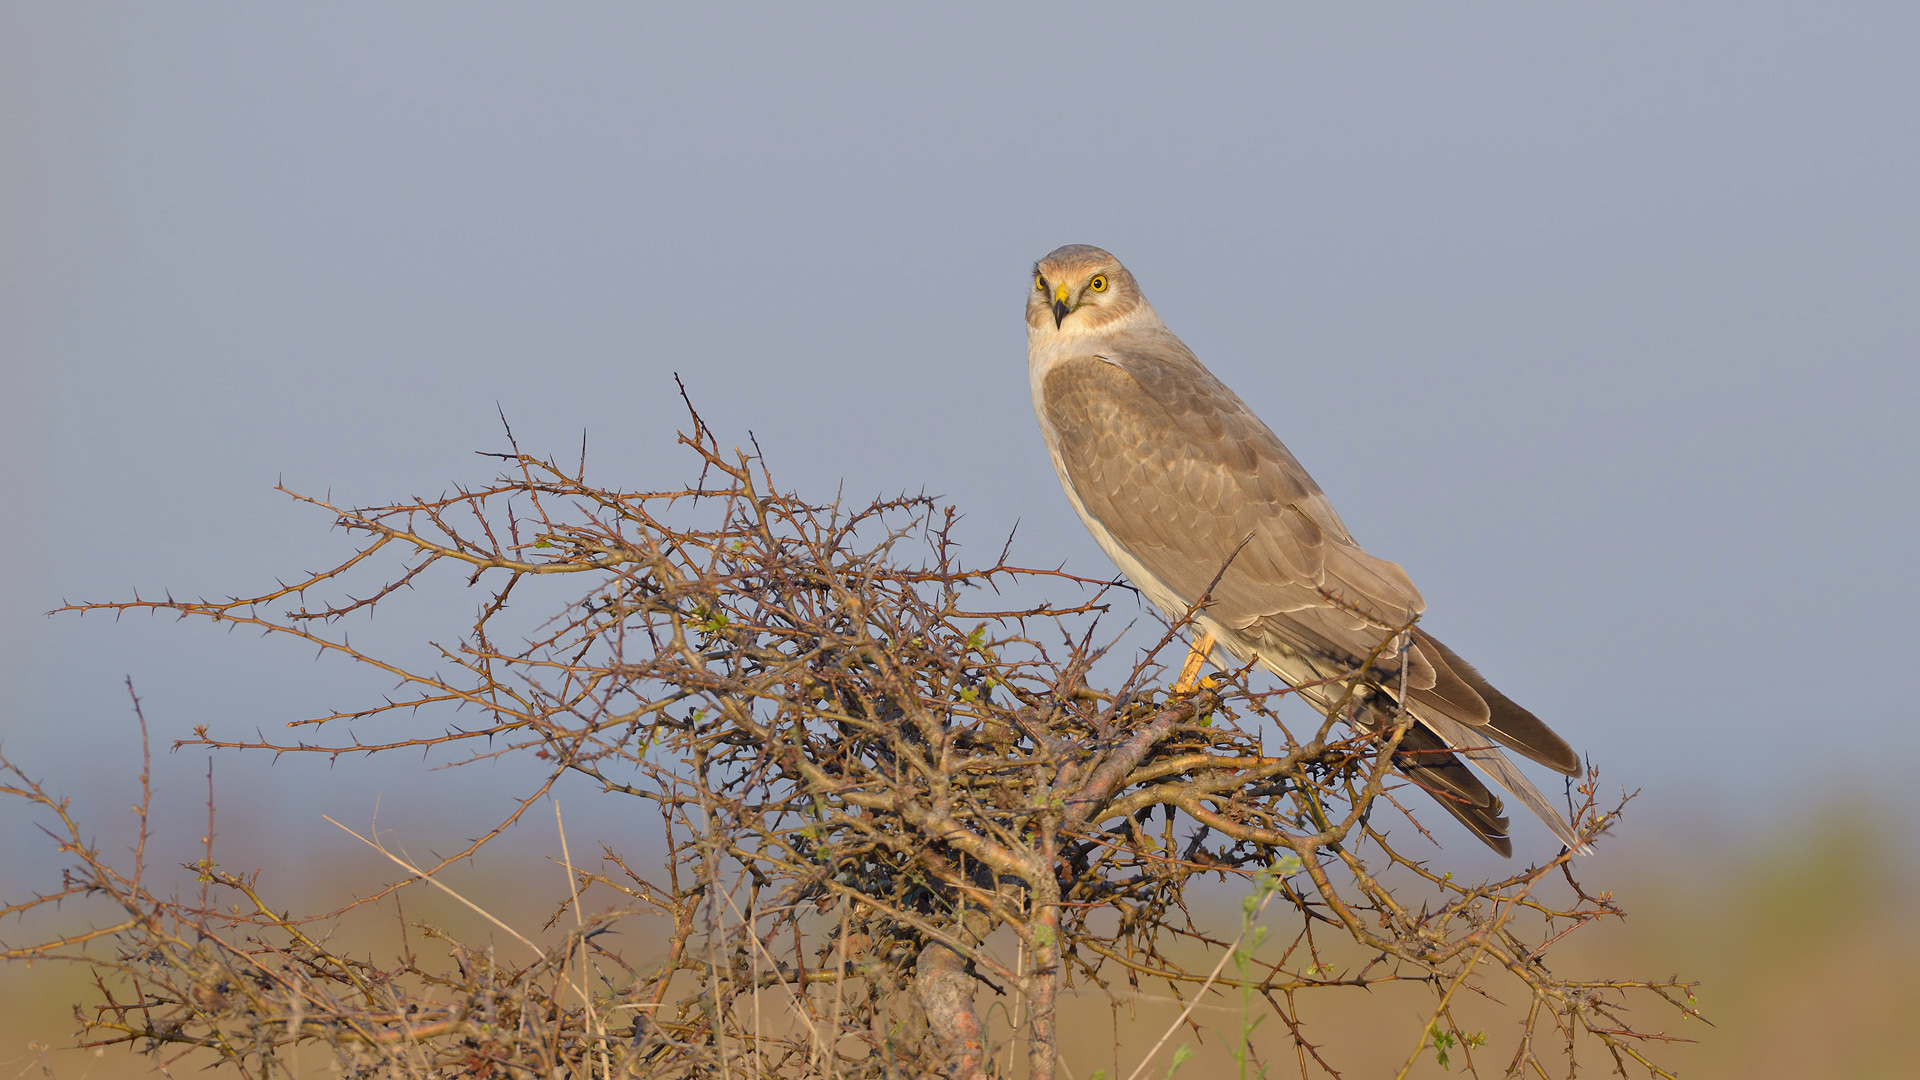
(1181, 472)
(1505, 719)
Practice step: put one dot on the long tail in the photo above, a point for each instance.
(1476, 747)
(1431, 751)
(1431, 764)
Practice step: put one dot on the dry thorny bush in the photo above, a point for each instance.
(878, 800)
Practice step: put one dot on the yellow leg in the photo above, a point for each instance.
(1196, 656)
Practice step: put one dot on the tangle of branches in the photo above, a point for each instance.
(881, 798)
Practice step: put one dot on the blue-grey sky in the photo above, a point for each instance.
(1600, 319)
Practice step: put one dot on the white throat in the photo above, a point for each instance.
(1047, 344)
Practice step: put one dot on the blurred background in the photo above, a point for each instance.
(1602, 321)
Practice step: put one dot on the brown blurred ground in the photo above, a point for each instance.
(1806, 946)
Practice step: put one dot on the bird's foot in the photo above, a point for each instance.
(1196, 656)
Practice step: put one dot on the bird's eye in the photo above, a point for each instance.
(1099, 283)
(1040, 282)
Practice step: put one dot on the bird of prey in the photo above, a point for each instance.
(1177, 479)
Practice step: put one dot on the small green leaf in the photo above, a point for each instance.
(1442, 1042)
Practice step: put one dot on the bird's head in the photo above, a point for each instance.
(1079, 288)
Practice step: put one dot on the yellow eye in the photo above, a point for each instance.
(1040, 283)
(1099, 283)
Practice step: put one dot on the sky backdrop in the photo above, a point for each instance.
(1600, 319)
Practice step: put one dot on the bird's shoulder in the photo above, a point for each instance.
(1147, 393)
(1182, 471)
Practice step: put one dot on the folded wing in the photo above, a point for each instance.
(1188, 480)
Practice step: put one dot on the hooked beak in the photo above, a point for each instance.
(1060, 306)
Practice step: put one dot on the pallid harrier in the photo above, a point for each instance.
(1173, 475)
